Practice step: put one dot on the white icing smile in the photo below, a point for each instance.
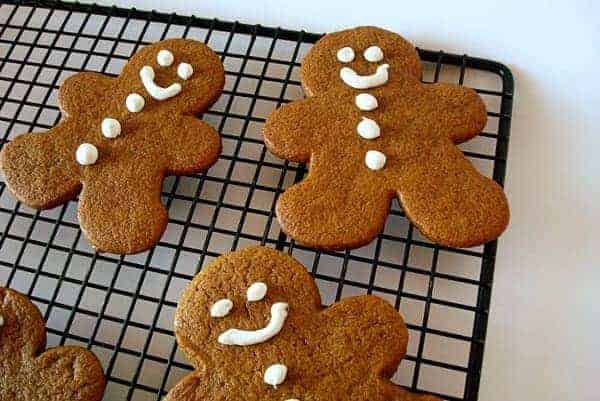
(279, 312)
(356, 81)
(154, 90)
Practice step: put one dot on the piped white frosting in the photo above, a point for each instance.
(275, 374)
(356, 81)
(375, 160)
(279, 312)
(256, 292)
(366, 102)
(157, 92)
(368, 129)
(86, 154)
(221, 308)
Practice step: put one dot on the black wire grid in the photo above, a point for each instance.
(121, 307)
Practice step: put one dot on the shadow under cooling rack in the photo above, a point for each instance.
(121, 307)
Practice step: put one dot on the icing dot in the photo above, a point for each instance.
(345, 54)
(86, 154)
(185, 70)
(366, 102)
(164, 58)
(368, 129)
(1, 320)
(111, 128)
(256, 292)
(275, 374)
(375, 160)
(373, 54)
(221, 308)
(135, 102)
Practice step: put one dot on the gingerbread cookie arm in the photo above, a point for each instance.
(77, 91)
(22, 333)
(383, 337)
(190, 388)
(289, 130)
(123, 214)
(69, 373)
(457, 112)
(192, 146)
(450, 201)
(38, 170)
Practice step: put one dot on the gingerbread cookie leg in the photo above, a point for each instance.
(451, 202)
(330, 208)
(123, 214)
(29, 373)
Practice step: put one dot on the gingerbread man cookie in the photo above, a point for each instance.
(118, 139)
(372, 131)
(27, 372)
(252, 324)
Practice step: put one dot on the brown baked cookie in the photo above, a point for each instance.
(252, 324)
(372, 131)
(118, 139)
(27, 372)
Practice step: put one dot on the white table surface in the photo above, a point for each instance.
(542, 339)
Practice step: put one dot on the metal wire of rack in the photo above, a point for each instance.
(121, 307)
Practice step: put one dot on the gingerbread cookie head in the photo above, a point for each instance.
(371, 131)
(28, 372)
(252, 324)
(361, 56)
(117, 140)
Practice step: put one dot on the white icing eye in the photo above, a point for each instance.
(86, 154)
(374, 54)
(221, 308)
(111, 128)
(164, 58)
(185, 70)
(275, 374)
(345, 54)
(135, 102)
(256, 292)
(375, 160)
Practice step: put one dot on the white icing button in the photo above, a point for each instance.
(356, 81)
(279, 312)
(135, 102)
(164, 58)
(368, 129)
(373, 54)
(111, 128)
(221, 308)
(256, 292)
(1, 320)
(185, 70)
(375, 160)
(154, 90)
(275, 374)
(345, 54)
(86, 154)
(366, 102)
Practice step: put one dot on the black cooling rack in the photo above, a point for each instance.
(121, 307)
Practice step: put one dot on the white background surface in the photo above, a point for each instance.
(543, 341)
